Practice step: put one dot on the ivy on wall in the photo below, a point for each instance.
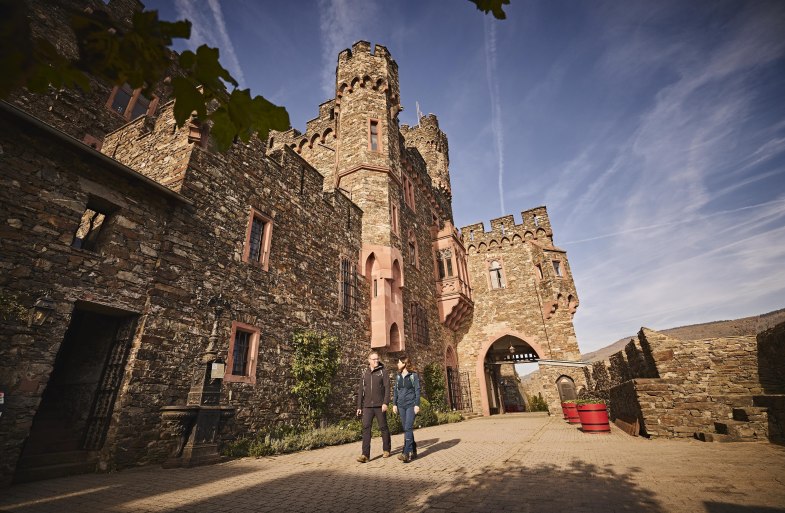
(315, 363)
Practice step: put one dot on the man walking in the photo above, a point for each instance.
(372, 398)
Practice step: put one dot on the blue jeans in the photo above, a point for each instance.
(407, 420)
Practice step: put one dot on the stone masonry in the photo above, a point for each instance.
(346, 228)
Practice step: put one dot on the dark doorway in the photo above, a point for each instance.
(566, 388)
(75, 408)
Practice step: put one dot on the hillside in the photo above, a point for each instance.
(736, 327)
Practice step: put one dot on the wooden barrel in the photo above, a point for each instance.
(572, 413)
(594, 418)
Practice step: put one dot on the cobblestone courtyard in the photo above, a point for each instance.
(513, 463)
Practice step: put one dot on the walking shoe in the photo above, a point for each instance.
(386, 454)
(400, 456)
(362, 458)
(406, 458)
(414, 454)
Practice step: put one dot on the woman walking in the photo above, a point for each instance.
(406, 403)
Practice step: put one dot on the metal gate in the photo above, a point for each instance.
(458, 389)
(101, 413)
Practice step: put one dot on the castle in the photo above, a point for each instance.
(135, 246)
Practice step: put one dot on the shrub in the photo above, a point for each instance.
(314, 365)
(448, 417)
(435, 386)
(537, 403)
(427, 415)
(590, 400)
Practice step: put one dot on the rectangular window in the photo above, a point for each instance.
(557, 268)
(348, 286)
(373, 134)
(242, 342)
(258, 238)
(539, 271)
(419, 322)
(130, 103)
(496, 275)
(242, 354)
(394, 218)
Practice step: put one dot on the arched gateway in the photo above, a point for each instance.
(498, 390)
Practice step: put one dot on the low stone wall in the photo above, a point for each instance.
(771, 355)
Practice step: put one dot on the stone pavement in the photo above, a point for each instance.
(511, 463)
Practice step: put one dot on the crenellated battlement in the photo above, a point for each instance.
(319, 130)
(372, 70)
(535, 226)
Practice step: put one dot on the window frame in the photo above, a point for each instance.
(347, 290)
(265, 243)
(374, 123)
(252, 353)
(97, 206)
(557, 268)
(502, 275)
(135, 94)
(418, 317)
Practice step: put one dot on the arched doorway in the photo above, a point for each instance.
(566, 387)
(499, 391)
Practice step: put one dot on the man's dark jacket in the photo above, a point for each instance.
(374, 388)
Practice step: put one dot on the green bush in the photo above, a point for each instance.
(435, 385)
(537, 403)
(427, 415)
(590, 400)
(448, 417)
(315, 362)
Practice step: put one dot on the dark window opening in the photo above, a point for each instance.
(557, 268)
(257, 235)
(91, 226)
(348, 286)
(419, 321)
(242, 344)
(374, 134)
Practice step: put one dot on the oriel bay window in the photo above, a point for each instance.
(242, 354)
(257, 239)
(444, 263)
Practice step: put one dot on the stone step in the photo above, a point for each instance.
(751, 413)
(26, 475)
(52, 458)
(714, 437)
(742, 431)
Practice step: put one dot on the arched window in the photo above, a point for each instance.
(496, 275)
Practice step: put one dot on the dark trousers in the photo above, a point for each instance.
(381, 420)
(407, 422)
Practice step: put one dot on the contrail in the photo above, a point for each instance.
(496, 115)
(204, 28)
(672, 223)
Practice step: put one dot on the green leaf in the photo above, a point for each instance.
(494, 6)
(188, 100)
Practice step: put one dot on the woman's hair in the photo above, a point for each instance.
(409, 365)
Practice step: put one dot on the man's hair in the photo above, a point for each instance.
(373, 353)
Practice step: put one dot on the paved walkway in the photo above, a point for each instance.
(512, 463)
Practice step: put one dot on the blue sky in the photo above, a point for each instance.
(654, 132)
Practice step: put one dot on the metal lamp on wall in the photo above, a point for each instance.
(41, 311)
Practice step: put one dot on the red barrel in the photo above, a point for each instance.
(572, 413)
(594, 418)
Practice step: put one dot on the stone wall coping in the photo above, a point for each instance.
(36, 123)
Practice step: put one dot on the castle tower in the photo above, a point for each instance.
(524, 301)
(367, 167)
(431, 142)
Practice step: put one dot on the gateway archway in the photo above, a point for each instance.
(498, 388)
